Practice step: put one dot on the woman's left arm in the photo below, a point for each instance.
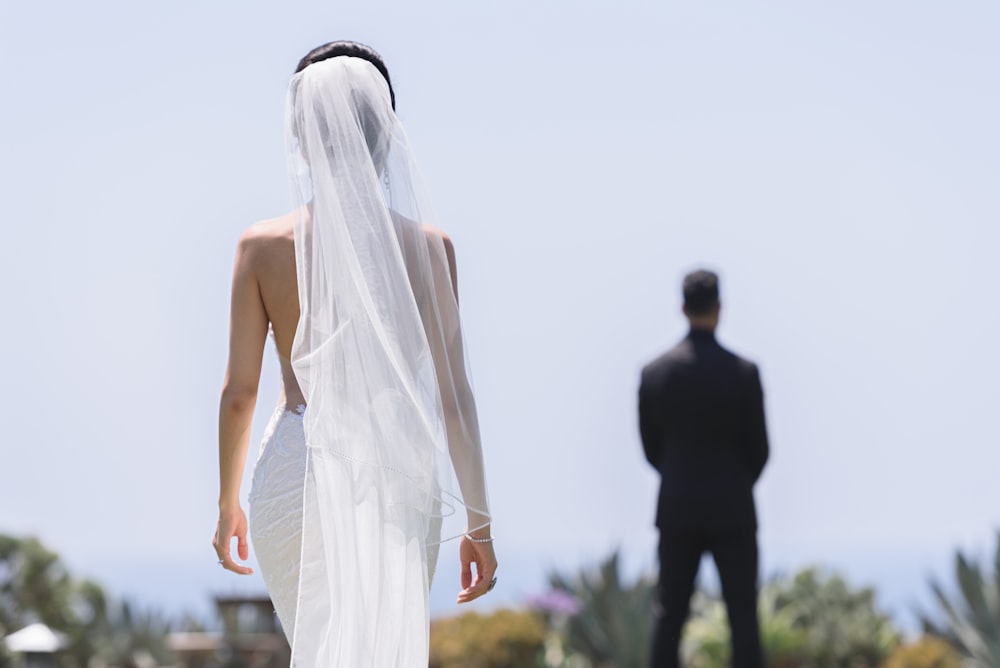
(247, 337)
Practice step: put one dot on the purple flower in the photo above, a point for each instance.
(555, 602)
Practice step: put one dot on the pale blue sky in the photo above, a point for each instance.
(836, 161)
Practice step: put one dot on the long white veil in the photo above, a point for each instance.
(378, 354)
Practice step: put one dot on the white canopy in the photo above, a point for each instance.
(36, 638)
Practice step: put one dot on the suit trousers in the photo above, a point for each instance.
(735, 555)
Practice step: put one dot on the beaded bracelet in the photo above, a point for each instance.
(479, 540)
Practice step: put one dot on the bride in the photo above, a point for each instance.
(376, 416)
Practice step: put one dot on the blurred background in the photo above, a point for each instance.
(836, 163)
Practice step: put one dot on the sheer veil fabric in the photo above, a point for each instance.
(390, 422)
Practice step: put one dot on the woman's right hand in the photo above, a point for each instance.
(232, 524)
(482, 555)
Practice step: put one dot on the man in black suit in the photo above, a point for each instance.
(701, 417)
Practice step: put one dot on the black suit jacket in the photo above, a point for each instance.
(701, 417)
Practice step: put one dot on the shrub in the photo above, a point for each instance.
(503, 639)
(926, 652)
(972, 617)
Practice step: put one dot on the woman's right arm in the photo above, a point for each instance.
(247, 337)
(464, 441)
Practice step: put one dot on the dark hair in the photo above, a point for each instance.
(701, 292)
(348, 48)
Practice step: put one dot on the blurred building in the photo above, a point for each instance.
(251, 637)
(35, 646)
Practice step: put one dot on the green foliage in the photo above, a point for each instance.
(842, 626)
(127, 636)
(782, 637)
(35, 586)
(705, 643)
(925, 652)
(706, 637)
(503, 639)
(613, 625)
(810, 619)
(972, 620)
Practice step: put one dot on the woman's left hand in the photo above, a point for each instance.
(232, 524)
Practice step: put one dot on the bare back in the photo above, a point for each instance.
(274, 266)
(266, 267)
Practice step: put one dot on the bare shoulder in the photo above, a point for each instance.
(269, 230)
(435, 233)
(265, 237)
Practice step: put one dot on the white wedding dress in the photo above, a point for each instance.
(355, 475)
(277, 500)
(276, 507)
(282, 500)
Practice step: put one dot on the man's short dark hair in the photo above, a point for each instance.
(701, 292)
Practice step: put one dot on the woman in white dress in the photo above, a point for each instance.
(376, 416)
